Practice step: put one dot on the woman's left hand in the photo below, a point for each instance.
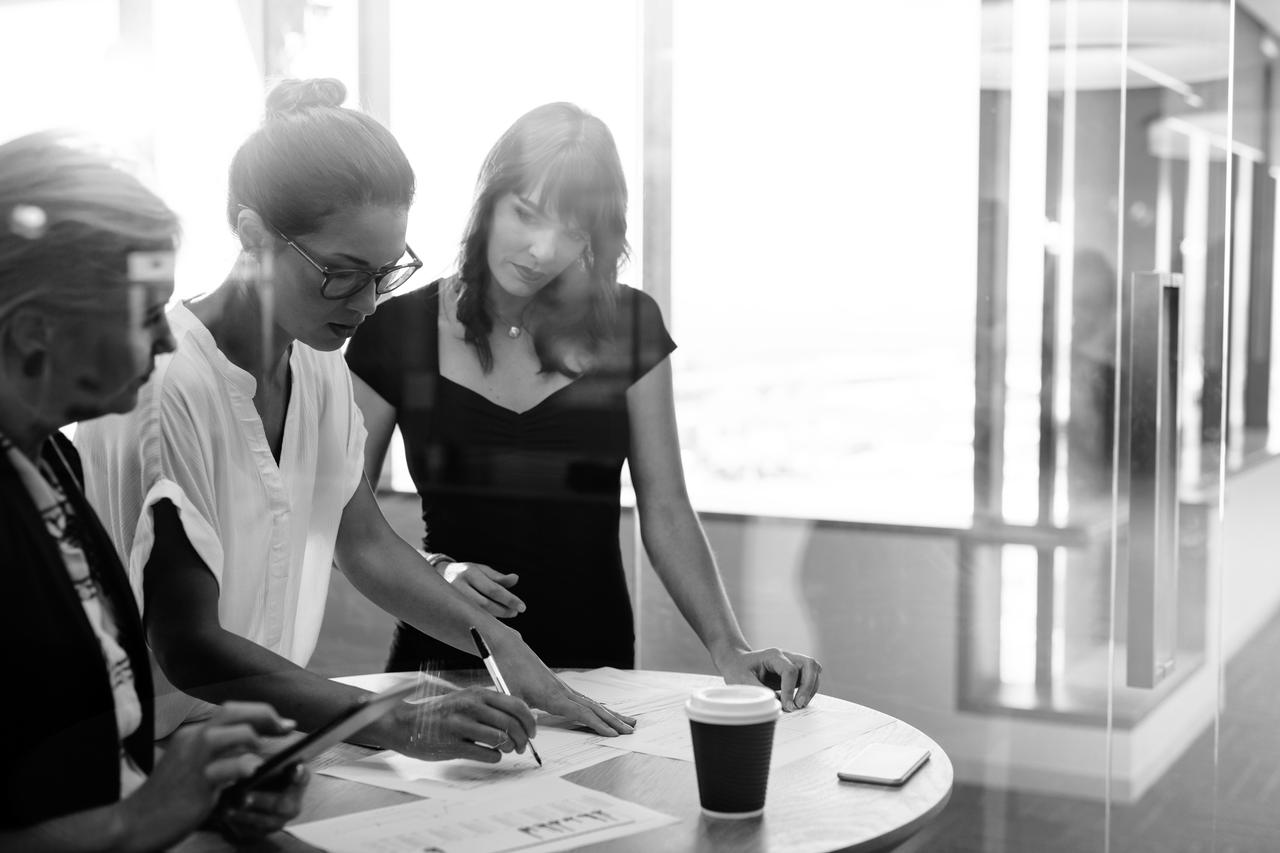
(793, 675)
(485, 587)
(531, 680)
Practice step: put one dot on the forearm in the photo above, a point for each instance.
(106, 829)
(217, 665)
(393, 575)
(682, 558)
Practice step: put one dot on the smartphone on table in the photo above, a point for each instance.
(884, 764)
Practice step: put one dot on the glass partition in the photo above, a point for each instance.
(975, 311)
(975, 328)
(990, 497)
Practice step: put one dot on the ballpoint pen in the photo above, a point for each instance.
(494, 673)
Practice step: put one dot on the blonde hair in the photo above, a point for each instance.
(69, 216)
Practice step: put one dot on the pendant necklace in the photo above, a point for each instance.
(514, 330)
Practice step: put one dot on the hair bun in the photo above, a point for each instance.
(293, 96)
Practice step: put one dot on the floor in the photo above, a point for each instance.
(1191, 810)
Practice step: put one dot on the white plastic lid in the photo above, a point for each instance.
(733, 704)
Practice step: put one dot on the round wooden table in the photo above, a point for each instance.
(808, 809)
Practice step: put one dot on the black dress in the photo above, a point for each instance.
(536, 493)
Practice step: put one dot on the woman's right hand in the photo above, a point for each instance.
(198, 763)
(485, 587)
(474, 723)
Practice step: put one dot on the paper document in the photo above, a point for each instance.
(608, 685)
(663, 727)
(540, 817)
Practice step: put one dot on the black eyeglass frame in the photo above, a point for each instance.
(377, 276)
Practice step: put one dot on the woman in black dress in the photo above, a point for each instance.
(520, 385)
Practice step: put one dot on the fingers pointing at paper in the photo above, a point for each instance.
(528, 677)
(546, 691)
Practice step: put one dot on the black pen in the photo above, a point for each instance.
(494, 673)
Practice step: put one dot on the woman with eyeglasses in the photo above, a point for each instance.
(521, 385)
(86, 266)
(238, 481)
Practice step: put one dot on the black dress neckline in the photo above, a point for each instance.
(512, 412)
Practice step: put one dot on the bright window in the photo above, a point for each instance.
(461, 73)
(174, 90)
(62, 61)
(823, 257)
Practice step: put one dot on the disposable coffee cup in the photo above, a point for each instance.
(732, 728)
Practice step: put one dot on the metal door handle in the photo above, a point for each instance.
(1150, 350)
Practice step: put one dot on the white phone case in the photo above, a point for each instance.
(884, 764)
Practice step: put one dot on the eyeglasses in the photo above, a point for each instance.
(341, 283)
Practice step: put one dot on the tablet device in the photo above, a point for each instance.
(344, 725)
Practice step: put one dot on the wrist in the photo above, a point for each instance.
(438, 561)
(502, 639)
(723, 652)
(129, 831)
(119, 829)
(380, 734)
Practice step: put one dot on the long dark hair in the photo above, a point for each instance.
(313, 157)
(569, 157)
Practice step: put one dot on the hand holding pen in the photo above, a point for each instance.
(455, 723)
(498, 681)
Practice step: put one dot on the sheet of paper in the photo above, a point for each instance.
(539, 817)
(563, 750)
(663, 727)
(608, 685)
